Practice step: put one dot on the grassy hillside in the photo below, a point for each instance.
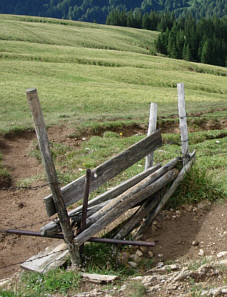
(96, 76)
(87, 72)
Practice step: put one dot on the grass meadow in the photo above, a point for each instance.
(87, 72)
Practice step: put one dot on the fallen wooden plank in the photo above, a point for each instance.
(96, 203)
(128, 201)
(104, 172)
(134, 221)
(54, 227)
(99, 278)
(167, 194)
(49, 259)
(132, 191)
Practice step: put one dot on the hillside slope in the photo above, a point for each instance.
(80, 68)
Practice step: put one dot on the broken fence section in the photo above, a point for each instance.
(145, 193)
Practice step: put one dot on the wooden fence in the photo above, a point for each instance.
(145, 193)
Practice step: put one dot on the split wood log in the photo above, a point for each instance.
(132, 191)
(127, 201)
(94, 204)
(167, 195)
(42, 137)
(137, 217)
(104, 172)
(54, 227)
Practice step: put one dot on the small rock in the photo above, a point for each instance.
(160, 265)
(122, 288)
(84, 138)
(132, 264)
(151, 254)
(223, 262)
(195, 243)
(201, 252)
(160, 255)
(139, 253)
(221, 254)
(217, 141)
(135, 258)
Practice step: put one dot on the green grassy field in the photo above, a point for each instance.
(87, 72)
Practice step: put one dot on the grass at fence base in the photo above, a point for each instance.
(39, 285)
(5, 177)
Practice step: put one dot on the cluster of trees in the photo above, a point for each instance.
(203, 41)
(98, 10)
(150, 21)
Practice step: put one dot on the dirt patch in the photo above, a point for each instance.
(183, 233)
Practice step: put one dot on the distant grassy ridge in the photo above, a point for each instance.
(87, 72)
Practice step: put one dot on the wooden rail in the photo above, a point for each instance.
(73, 192)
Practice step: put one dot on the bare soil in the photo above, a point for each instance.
(24, 209)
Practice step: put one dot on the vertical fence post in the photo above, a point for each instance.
(183, 123)
(151, 128)
(41, 133)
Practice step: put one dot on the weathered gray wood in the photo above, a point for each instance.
(41, 133)
(128, 201)
(151, 128)
(51, 258)
(99, 201)
(101, 174)
(119, 189)
(183, 123)
(167, 194)
(99, 278)
(136, 218)
(54, 227)
(132, 191)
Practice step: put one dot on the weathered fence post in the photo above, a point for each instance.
(41, 133)
(183, 123)
(151, 128)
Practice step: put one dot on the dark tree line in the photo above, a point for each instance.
(150, 21)
(203, 41)
(98, 10)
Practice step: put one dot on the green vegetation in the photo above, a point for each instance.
(203, 41)
(39, 285)
(5, 178)
(94, 73)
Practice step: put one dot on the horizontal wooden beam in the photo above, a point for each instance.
(73, 192)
